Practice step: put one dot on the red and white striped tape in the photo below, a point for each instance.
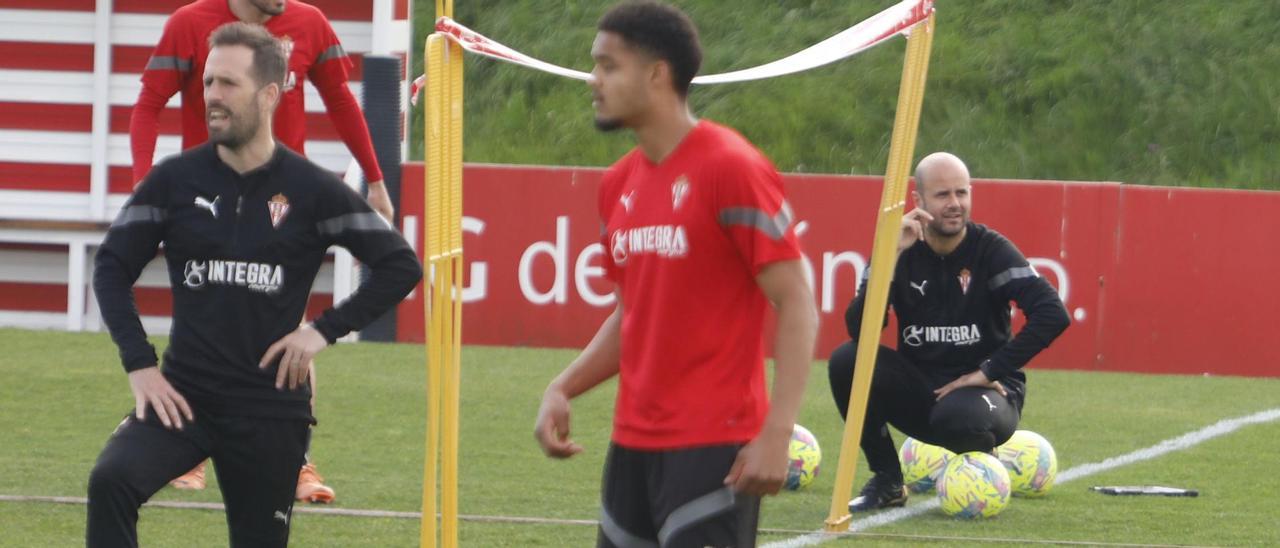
(897, 19)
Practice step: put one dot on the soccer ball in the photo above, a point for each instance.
(974, 485)
(1031, 463)
(922, 464)
(805, 457)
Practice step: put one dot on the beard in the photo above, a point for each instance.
(939, 227)
(608, 124)
(241, 127)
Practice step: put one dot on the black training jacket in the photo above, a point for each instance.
(242, 252)
(953, 311)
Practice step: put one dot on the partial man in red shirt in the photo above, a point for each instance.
(313, 51)
(700, 244)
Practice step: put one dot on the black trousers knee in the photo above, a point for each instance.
(256, 459)
(968, 419)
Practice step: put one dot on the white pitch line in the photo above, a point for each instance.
(883, 518)
(350, 512)
(1220, 428)
(355, 512)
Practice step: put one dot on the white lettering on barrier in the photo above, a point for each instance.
(583, 270)
(479, 286)
(478, 289)
(558, 252)
(587, 268)
(830, 262)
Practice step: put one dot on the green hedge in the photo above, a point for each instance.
(1164, 92)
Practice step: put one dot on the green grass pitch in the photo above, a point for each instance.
(62, 394)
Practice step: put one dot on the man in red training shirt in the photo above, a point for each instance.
(700, 244)
(313, 51)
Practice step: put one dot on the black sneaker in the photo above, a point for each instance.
(879, 492)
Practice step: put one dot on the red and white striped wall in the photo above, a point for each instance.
(69, 75)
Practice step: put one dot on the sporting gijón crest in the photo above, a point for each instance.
(679, 191)
(278, 207)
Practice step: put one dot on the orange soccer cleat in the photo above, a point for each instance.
(193, 480)
(311, 487)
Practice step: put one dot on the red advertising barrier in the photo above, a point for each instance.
(1191, 288)
(1136, 266)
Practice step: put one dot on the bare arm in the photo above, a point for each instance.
(785, 285)
(761, 467)
(597, 363)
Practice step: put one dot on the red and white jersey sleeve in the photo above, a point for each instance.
(753, 210)
(174, 57)
(329, 63)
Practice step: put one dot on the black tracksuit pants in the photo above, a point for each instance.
(968, 419)
(256, 459)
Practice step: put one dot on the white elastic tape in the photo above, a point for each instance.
(897, 19)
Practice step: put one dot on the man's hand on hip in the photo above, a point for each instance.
(151, 388)
(295, 351)
(976, 378)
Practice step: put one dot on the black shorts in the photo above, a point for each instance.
(674, 498)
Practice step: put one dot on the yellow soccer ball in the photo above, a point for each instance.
(974, 485)
(922, 464)
(805, 456)
(1031, 463)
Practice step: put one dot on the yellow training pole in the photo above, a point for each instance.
(432, 249)
(883, 255)
(444, 290)
(452, 265)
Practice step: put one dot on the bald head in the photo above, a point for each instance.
(940, 166)
(942, 189)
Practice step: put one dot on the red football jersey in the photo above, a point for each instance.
(685, 240)
(313, 50)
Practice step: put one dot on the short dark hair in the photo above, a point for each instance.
(660, 30)
(268, 53)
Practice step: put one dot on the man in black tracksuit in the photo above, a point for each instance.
(245, 224)
(956, 378)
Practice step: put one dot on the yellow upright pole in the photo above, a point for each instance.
(433, 239)
(888, 225)
(443, 237)
(444, 303)
(453, 265)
